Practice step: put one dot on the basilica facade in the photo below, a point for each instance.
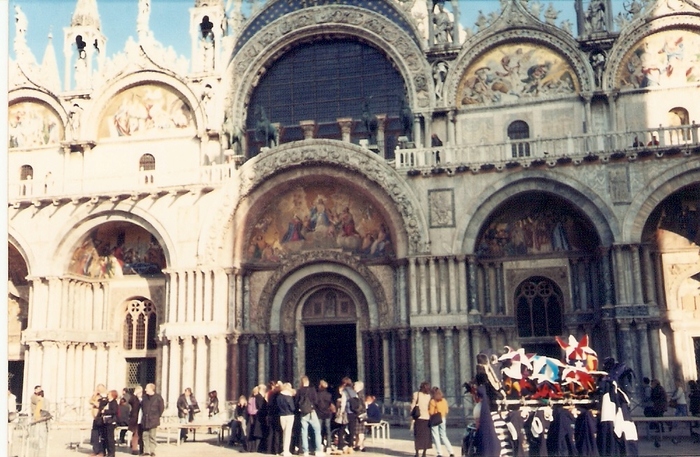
(352, 188)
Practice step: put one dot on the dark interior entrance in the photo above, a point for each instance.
(331, 353)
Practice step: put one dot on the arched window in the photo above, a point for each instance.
(140, 325)
(678, 117)
(518, 131)
(26, 173)
(538, 304)
(147, 163)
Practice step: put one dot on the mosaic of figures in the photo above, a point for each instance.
(33, 124)
(145, 110)
(668, 58)
(536, 226)
(116, 249)
(319, 217)
(513, 72)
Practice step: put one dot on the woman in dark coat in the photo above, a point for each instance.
(325, 410)
(485, 440)
(239, 423)
(109, 415)
(421, 428)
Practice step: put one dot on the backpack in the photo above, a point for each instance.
(305, 405)
(252, 407)
(357, 406)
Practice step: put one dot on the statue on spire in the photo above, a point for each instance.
(142, 29)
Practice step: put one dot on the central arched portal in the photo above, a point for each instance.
(329, 320)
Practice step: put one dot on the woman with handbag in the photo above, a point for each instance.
(420, 414)
(109, 422)
(187, 407)
(438, 409)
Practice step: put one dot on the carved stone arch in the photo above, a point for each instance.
(296, 298)
(580, 196)
(78, 226)
(653, 193)
(24, 94)
(139, 78)
(313, 263)
(557, 41)
(23, 247)
(297, 156)
(644, 28)
(250, 63)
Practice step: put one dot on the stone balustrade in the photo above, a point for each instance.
(553, 151)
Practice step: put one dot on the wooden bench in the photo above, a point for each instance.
(177, 427)
(665, 422)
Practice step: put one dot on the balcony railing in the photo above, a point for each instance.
(474, 156)
(545, 148)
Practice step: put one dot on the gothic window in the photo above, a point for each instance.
(140, 325)
(26, 173)
(538, 305)
(147, 162)
(518, 131)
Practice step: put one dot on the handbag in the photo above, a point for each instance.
(415, 412)
(435, 419)
(195, 409)
(109, 419)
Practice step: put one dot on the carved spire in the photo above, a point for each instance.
(49, 67)
(86, 14)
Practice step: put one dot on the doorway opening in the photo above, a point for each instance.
(331, 353)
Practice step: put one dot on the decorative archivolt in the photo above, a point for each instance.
(330, 20)
(343, 156)
(293, 296)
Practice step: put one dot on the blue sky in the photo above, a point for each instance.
(169, 21)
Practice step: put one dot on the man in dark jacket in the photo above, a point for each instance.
(305, 402)
(133, 423)
(152, 407)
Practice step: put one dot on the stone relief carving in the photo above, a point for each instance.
(441, 204)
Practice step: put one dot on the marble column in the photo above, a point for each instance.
(657, 365)
(637, 279)
(217, 363)
(607, 278)
(191, 292)
(477, 335)
(274, 356)
(433, 306)
(472, 282)
(419, 359)
(648, 268)
(90, 380)
(244, 389)
(625, 338)
(381, 134)
(386, 365)
(200, 388)
(401, 293)
(181, 298)
(69, 389)
(454, 285)
(101, 365)
(187, 362)
(114, 371)
(377, 363)
(619, 274)
(61, 391)
(345, 124)
(500, 300)
(451, 129)
(423, 280)
(412, 286)
(175, 379)
(207, 296)
(232, 367)
(644, 354)
(50, 368)
(416, 131)
(171, 289)
(612, 338)
(404, 364)
(434, 345)
(164, 386)
(309, 128)
(442, 272)
(575, 284)
(262, 360)
(450, 386)
(659, 276)
(79, 387)
(488, 284)
(33, 369)
(289, 342)
(461, 281)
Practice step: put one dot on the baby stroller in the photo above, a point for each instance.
(468, 448)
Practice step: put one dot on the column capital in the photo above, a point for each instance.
(290, 338)
(403, 333)
(233, 338)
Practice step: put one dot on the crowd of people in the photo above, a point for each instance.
(279, 419)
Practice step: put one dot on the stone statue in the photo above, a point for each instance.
(74, 121)
(21, 24)
(207, 42)
(597, 60)
(481, 22)
(439, 75)
(596, 16)
(406, 117)
(443, 24)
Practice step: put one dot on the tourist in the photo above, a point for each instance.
(421, 430)
(152, 407)
(238, 424)
(187, 407)
(438, 404)
(325, 409)
(134, 422)
(305, 399)
(98, 400)
(286, 408)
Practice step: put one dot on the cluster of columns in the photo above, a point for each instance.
(65, 303)
(195, 295)
(69, 371)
